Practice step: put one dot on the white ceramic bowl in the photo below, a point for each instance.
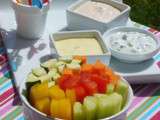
(126, 57)
(32, 114)
(105, 57)
(77, 21)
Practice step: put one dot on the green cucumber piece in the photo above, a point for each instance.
(122, 88)
(39, 71)
(66, 59)
(49, 64)
(109, 105)
(76, 61)
(54, 75)
(78, 113)
(110, 88)
(45, 78)
(51, 83)
(61, 68)
(74, 66)
(59, 63)
(52, 72)
(104, 107)
(117, 99)
(99, 95)
(90, 107)
(31, 80)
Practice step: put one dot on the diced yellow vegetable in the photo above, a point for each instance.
(70, 93)
(43, 105)
(55, 92)
(38, 91)
(65, 109)
(54, 108)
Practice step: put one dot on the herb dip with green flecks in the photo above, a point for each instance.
(132, 42)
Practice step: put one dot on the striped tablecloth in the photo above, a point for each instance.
(145, 106)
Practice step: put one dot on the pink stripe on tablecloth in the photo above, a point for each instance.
(7, 100)
(158, 34)
(8, 106)
(1, 74)
(158, 64)
(156, 116)
(7, 94)
(144, 93)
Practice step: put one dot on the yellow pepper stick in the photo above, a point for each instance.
(65, 112)
(55, 92)
(54, 108)
(43, 105)
(38, 91)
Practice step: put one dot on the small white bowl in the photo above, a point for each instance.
(126, 57)
(32, 113)
(105, 57)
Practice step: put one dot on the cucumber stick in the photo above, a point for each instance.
(90, 107)
(78, 112)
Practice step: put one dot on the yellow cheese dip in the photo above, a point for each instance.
(78, 46)
(97, 10)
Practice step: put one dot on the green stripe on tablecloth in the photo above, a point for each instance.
(13, 114)
(144, 106)
(5, 78)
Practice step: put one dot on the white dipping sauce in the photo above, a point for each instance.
(98, 10)
(132, 42)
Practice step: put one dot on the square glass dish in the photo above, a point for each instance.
(81, 37)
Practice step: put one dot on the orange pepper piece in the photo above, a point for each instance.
(70, 93)
(87, 68)
(67, 71)
(115, 79)
(99, 66)
(83, 59)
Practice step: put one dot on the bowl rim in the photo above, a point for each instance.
(124, 110)
(27, 6)
(132, 29)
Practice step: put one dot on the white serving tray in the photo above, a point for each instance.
(25, 54)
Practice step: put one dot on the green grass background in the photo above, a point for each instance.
(146, 12)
